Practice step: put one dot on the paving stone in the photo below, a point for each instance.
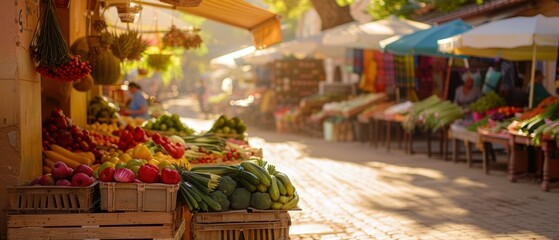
(362, 192)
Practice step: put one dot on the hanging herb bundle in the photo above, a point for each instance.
(50, 52)
(185, 39)
(128, 45)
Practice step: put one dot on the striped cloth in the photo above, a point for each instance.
(358, 61)
(389, 73)
(349, 60)
(405, 71)
(380, 83)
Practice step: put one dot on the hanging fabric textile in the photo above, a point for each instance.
(369, 71)
(508, 72)
(390, 82)
(424, 76)
(380, 83)
(358, 61)
(410, 72)
(349, 60)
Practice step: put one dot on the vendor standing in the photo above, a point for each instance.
(540, 93)
(138, 105)
(467, 93)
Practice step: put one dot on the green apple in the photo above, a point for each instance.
(120, 165)
(103, 166)
(135, 170)
(134, 162)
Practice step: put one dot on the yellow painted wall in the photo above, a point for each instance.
(77, 26)
(20, 104)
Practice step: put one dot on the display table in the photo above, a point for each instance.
(519, 161)
(461, 134)
(487, 139)
(378, 135)
(443, 141)
(550, 164)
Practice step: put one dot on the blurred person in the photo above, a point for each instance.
(137, 105)
(540, 92)
(518, 96)
(467, 93)
(201, 95)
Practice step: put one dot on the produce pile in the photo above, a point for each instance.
(431, 114)
(497, 121)
(63, 175)
(544, 124)
(168, 123)
(214, 149)
(229, 127)
(253, 183)
(101, 110)
(58, 129)
(490, 101)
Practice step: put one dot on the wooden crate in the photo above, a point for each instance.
(261, 225)
(53, 199)
(124, 225)
(138, 197)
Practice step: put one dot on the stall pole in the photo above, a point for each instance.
(532, 76)
(447, 78)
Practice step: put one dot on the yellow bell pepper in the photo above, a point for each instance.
(141, 152)
(125, 157)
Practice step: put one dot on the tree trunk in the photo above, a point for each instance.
(331, 14)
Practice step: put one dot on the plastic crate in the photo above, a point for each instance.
(52, 199)
(261, 225)
(138, 197)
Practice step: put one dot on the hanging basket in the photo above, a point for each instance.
(128, 14)
(159, 61)
(84, 84)
(183, 3)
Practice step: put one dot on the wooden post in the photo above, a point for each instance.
(20, 108)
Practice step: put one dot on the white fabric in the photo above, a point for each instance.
(368, 35)
(507, 33)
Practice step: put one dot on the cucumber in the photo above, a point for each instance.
(277, 205)
(260, 172)
(286, 182)
(281, 187)
(249, 186)
(273, 190)
(261, 188)
(253, 179)
(292, 203)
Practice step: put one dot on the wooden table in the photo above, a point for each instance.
(487, 139)
(377, 135)
(550, 164)
(519, 158)
(443, 143)
(468, 137)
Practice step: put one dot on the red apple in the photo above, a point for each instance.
(36, 181)
(47, 180)
(148, 173)
(84, 169)
(81, 180)
(107, 175)
(63, 182)
(60, 170)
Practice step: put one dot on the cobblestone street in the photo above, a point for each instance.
(353, 191)
(350, 190)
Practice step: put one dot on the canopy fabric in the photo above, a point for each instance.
(263, 56)
(513, 39)
(368, 35)
(264, 25)
(311, 46)
(424, 42)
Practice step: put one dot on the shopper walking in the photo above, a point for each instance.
(137, 105)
